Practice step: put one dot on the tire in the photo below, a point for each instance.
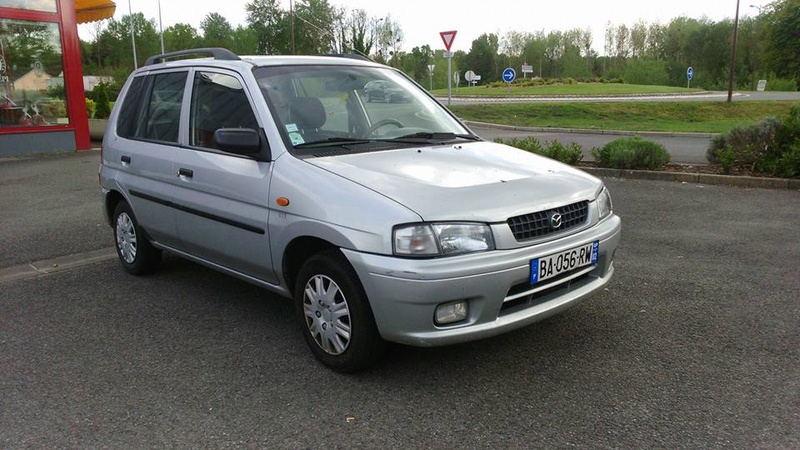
(334, 314)
(135, 252)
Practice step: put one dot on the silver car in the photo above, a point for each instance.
(384, 222)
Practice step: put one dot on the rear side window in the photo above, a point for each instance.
(152, 108)
(131, 109)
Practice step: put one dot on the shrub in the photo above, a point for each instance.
(569, 154)
(90, 107)
(781, 84)
(771, 147)
(631, 153)
(743, 147)
(102, 108)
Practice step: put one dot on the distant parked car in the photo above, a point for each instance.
(385, 91)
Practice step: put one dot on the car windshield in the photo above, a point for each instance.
(353, 108)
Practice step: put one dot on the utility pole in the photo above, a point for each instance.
(733, 53)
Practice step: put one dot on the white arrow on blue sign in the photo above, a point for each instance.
(689, 73)
(509, 75)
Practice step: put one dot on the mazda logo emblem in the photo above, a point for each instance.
(555, 220)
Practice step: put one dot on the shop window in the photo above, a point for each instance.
(33, 5)
(31, 74)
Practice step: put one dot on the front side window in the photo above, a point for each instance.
(31, 75)
(218, 101)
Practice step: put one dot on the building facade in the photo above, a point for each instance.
(42, 99)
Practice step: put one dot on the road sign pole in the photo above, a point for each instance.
(449, 80)
(447, 38)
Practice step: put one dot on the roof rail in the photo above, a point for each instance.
(350, 56)
(216, 52)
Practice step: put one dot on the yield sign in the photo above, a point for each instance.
(447, 38)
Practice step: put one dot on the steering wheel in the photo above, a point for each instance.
(382, 123)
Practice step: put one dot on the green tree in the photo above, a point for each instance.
(217, 31)
(419, 59)
(314, 28)
(115, 41)
(181, 36)
(646, 71)
(534, 51)
(482, 57)
(783, 38)
(271, 26)
(245, 41)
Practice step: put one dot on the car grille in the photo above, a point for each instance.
(534, 225)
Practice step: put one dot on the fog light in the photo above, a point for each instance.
(451, 312)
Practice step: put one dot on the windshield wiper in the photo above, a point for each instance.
(334, 141)
(426, 137)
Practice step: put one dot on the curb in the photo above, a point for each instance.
(61, 264)
(696, 178)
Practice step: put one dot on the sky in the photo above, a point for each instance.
(423, 20)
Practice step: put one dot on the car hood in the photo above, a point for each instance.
(480, 181)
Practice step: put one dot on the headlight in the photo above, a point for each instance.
(442, 239)
(604, 203)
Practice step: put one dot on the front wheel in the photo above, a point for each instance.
(135, 253)
(334, 313)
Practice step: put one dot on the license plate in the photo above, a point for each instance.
(554, 265)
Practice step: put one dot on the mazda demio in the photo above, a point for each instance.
(383, 222)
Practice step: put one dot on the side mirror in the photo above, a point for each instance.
(240, 141)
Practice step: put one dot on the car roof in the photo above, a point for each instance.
(224, 58)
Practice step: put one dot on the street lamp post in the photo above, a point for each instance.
(133, 40)
(160, 27)
(733, 52)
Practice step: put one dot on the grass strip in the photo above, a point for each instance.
(693, 116)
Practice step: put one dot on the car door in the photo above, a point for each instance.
(146, 147)
(223, 197)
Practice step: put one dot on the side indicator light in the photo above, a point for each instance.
(282, 201)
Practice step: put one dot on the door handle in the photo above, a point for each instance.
(187, 173)
(125, 159)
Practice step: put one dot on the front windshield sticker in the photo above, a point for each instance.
(294, 134)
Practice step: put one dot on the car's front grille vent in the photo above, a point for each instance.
(542, 223)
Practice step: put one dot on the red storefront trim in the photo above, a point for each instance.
(73, 75)
(73, 70)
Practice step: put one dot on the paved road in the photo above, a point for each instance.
(684, 148)
(696, 97)
(695, 343)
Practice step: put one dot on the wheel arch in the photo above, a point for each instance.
(113, 198)
(299, 250)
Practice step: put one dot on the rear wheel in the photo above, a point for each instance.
(334, 313)
(135, 253)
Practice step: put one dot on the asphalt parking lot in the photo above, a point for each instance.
(695, 343)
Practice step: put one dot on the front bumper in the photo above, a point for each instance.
(404, 293)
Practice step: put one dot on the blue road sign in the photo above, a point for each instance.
(689, 73)
(509, 75)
